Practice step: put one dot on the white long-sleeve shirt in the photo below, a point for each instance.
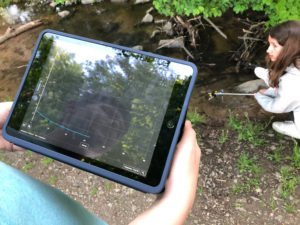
(285, 98)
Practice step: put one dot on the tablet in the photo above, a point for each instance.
(107, 109)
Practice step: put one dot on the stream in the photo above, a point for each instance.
(120, 23)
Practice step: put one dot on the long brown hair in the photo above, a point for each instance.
(288, 35)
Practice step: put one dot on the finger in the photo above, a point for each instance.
(4, 110)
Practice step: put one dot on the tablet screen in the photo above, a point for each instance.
(106, 106)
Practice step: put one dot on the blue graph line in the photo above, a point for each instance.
(59, 125)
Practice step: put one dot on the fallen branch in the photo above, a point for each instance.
(174, 43)
(12, 32)
(216, 28)
(190, 29)
(249, 38)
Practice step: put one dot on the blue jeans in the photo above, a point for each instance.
(26, 201)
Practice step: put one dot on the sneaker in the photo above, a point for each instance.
(263, 74)
(287, 128)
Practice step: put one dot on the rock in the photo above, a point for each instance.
(68, 3)
(138, 47)
(87, 2)
(279, 218)
(118, 1)
(160, 21)
(148, 18)
(251, 86)
(53, 4)
(64, 14)
(137, 2)
(171, 43)
(208, 151)
(254, 198)
(168, 29)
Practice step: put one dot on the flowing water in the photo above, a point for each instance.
(120, 24)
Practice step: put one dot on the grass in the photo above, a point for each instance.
(29, 153)
(53, 180)
(251, 172)
(247, 130)
(93, 191)
(296, 155)
(289, 181)
(272, 204)
(28, 166)
(200, 190)
(108, 186)
(276, 156)
(224, 137)
(46, 160)
(195, 117)
(290, 208)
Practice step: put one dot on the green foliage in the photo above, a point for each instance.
(224, 137)
(251, 173)
(272, 204)
(52, 180)
(4, 3)
(289, 181)
(248, 131)
(200, 190)
(45, 160)
(63, 1)
(195, 117)
(276, 156)
(108, 186)
(248, 164)
(29, 153)
(296, 155)
(277, 10)
(290, 208)
(28, 166)
(93, 191)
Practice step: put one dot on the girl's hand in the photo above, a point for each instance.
(262, 91)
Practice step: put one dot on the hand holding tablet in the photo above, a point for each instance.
(107, 109)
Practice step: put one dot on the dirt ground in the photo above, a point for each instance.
(216, 201)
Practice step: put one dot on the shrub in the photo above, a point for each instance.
(277, 10)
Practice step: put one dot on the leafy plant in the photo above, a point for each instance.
(248, 164)
(200, 190)
(224, 137)
(272, 204)
(29, 153)
(290, 208)
(289, 181)
(296, 155)
(195, 117)
(277, 10)
(251, 171)
(247, 130)
(276, 156)
(52, 180)
(94, 191)
(28, 166)
(46, 160)
(4, 3)
(108, 186)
